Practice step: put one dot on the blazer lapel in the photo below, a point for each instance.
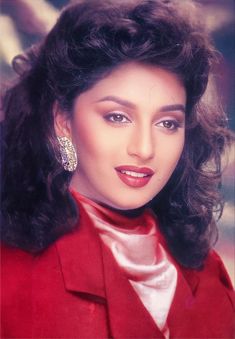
(81, 258)
(180, 318)
(128, 317)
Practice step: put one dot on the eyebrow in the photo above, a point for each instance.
(176, 107)
(118, 100)
(126, 103)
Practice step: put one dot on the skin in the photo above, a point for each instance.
(135, 116)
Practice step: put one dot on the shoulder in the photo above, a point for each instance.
(212, 281)
(16, 288)
(214, 267)
(23, 279)
(16, 265)
(18, 269)
(213, 297)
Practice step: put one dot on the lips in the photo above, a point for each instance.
(134, 176)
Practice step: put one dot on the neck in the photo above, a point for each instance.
(126, 213)
(133, 213)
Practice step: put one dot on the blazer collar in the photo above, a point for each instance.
(88, 267)
(81, 259)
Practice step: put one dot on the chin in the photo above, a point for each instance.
(128, 205)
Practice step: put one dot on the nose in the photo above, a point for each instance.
(141, 143)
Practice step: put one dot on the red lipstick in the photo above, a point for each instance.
(134, 176)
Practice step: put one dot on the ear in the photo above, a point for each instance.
(62, 123)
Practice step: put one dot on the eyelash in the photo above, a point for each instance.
(174, 124)
(111, 118)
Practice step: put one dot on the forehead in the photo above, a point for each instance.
(139, 83)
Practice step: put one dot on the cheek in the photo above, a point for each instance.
(92, 142)
(170, 152)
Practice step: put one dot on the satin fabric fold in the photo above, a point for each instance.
(135, 247)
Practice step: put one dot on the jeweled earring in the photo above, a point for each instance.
(68, 154)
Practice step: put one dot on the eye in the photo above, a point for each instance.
(117, 118)
(171, 125)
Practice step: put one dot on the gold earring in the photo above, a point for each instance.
(68, 154)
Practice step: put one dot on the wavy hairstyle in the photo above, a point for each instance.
(89, 40)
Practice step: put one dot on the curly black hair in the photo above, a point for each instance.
(89, 40)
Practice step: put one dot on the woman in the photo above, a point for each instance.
(110, 176)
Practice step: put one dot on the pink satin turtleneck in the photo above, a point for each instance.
(135, 246)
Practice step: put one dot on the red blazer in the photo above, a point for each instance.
(75, 289)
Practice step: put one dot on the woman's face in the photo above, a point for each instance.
(129, 132)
